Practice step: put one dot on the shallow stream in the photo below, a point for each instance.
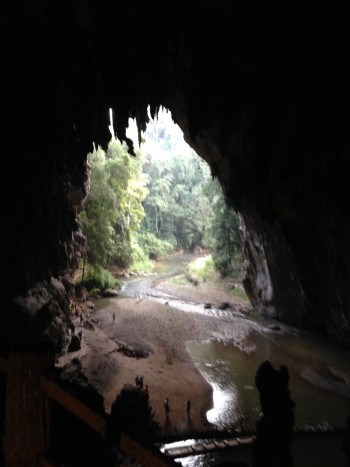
(319, 370)
(319, 378)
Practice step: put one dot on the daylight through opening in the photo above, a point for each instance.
(163, 269)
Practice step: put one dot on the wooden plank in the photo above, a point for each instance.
(214, 445)
(144, 455)
(71, 403)
(219, 444)
(179, 452)
(97, 422)
(128, 445)
(199, 448)
(26, 407)
(246, 440)
(231, 443)
(209, 446)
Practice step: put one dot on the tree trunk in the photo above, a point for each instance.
(83, 274)
(27, 414)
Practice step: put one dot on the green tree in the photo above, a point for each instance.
(184, 206)
(113, 210)
(99, 216)
(174, 207)
(223, 233)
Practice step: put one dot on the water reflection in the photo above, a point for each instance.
(319, 378)
(319, 369)
(224, 401)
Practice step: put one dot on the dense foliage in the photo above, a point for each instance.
(143, 207)
(113, 210)
(185, 205)
(177, 209)
(98, 279)
(222, 235)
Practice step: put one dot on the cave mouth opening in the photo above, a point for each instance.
(169, 355)
(178, 200)
(286, 84)
(170, 162)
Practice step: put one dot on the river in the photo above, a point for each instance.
(319, 369)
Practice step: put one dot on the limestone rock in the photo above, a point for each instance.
(272, 122)
(74, 344)
(57, 290)
(110, 293)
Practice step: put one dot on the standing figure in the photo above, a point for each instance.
(72, 327)
(166, 407)
(137, 381)
(141, 382)
(188, 408)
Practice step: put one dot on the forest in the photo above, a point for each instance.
(161, 201)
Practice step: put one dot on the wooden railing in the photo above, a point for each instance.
(74, 405)
(128, 445)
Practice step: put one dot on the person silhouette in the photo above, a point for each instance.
(188, 408)
(167, 407)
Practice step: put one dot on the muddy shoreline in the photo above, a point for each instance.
(160, 332)
(149, 337)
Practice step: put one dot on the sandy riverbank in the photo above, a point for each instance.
(161, 332)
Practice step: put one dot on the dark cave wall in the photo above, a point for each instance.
(45, 180)
(260, 90)
(272, 121)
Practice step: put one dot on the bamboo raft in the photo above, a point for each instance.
(209, 446)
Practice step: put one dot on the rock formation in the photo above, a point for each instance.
(132, 414)
(274, 431)
(260, 90)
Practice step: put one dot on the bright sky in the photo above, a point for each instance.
(152, 147)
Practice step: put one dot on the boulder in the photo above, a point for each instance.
(88, 325)
(132, 414)
(110, 293)
(274, 327)
(74, 344)
(57, 290)
(133, 350)
(80, 292)
(69, 285)
(224, 306)
(72, 378)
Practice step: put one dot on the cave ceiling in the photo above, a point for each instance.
(260, 90)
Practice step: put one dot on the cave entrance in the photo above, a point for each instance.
(171, 269)
(150, 325)
(164, 199)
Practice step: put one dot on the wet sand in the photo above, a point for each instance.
(168, 370)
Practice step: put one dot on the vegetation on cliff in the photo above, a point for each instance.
(164, 199)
